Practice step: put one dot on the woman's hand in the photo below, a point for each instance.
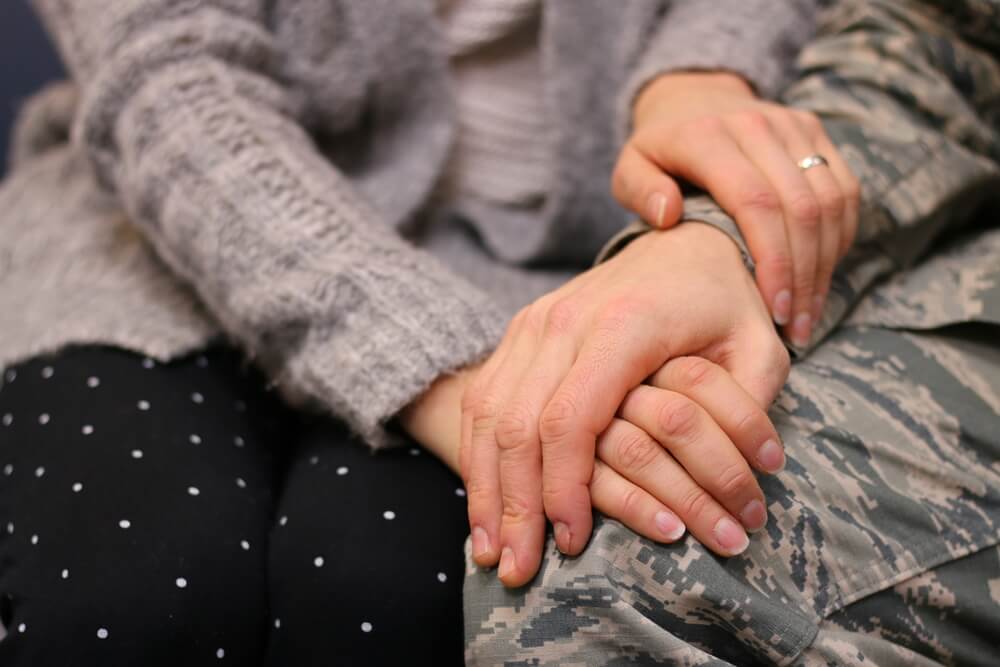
(532, 414)
(710, 130)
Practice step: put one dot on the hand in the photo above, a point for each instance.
(709, 129)
(678, 454)
(532, 413)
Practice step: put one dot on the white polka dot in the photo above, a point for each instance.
(77, 487)
(34, 539)
(22, 627)
(460, 493)
(442, 577)
(10, 527)
(313, 460)
(8, 469)
(414, 451)
(197, 398)
(318, 561)
(366, 627)
(87, 429)
(93, 381)
(389, 515)
(65, 574)
(195, 439)
(143, 405)
(342, 470)
(47, 372)
(238, 441)
(193, 490)
(137, 453)
(283, 520)
(148, 363)
(220, 653)
(181, 582)
(102, 633)
(201, 361)
(11, 375)
(125, 523)
(240, 482)
(8, 419)
(43, 418)
(39, 471)
(244, 545)
(240, 406)
(277, 622)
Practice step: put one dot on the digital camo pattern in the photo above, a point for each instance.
(893, 450)
(892, 433)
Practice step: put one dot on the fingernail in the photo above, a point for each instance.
(669, 525)
(730, 536)
(657, 208)
(480, 542)
(563, 537)
(782, 307)
(507, 562)
(771, 457)
(801, 329)
(818, 303)
(754, 516)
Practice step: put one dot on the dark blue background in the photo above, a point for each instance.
(27, 61)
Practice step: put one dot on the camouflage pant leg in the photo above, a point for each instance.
(892, 439)
(949, 615)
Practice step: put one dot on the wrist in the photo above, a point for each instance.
(693, 234)
(670, 85)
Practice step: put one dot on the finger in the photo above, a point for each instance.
(620, 352)
(729, 405)
(622, 500)
(849, 186)
(708, 156)
(687, 432)
(643, 188)
(522, 531)
(634, 455)
(479, 459)
(759, 139)
(821, 231)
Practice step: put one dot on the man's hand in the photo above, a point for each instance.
(532, 414)
(710, 130)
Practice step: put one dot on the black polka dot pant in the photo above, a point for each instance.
(180, 514)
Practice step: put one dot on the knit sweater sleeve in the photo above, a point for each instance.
(756, 39)
(184, 118)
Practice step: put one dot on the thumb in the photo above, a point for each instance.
(643, 188)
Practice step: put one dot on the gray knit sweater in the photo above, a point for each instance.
(264, 171)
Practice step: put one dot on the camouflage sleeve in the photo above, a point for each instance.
(904, 91)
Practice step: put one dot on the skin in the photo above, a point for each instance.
(640, 387)
(533, 439)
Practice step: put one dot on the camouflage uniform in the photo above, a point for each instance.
(881, 547)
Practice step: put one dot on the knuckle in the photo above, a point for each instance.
(514, 429)
(557, 419)
(631, 502)
(750, 423)
(678, 419)
(810, 121)
(734, 480)
(694, 371)
(760, 199)
(477, 489)
(484, 414)
(561, 317)
(694, 503)
(805, 211)
(753, 122)
(705, 125)
(637, 452)
(833, 204)
(517, 509)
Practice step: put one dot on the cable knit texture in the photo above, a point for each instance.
(263, 170)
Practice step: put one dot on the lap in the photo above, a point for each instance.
(228, 499)
(891, 442)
